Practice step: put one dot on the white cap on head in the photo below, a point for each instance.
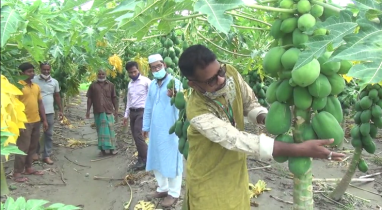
(154, 58)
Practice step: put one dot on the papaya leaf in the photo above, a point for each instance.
(11, 149)
(142, 9)
(367, 4)
(366, 45)
(99, 3)
(10, 20)
(215, 11)
(126, 5)
(70, 5)
(338, 27)
(368, 73)
(141, 26)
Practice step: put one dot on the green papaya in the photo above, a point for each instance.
(182, 142)
(333, 106)
(345, 67)
(317, 11)
(289, 58)
(180, 103)
(279, 118)
(185, 150)
(303, 6)
(284, 91)
(172, 129)
(275, 29)
(270, 95)
(283, 138)
(299, 38)
(272, 60)
(301, 97)
(178, 128)
(319, 103)
(326, 126)
(321, 87)
(288, 25)
(337, 84)
(305, 22)
(328, 68)
(306, 74)
(299, 165)
(362, 166)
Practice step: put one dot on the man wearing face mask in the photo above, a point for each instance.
(136, 97)
(101, 95)
(163, 157)
(218, 144)
(50, 92)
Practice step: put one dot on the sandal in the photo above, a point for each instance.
(34, 172)
(20, 179)
(48, 161)
(113, 152)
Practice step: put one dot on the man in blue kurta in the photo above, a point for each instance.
(163, 157)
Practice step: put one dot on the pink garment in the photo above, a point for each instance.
(137, 94)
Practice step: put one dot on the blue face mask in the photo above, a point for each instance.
(159, 74)
(135, 78)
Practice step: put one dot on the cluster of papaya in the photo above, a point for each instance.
(259, 87)
(181, 125)
(171, 51)
(312, 88)
(368, 119)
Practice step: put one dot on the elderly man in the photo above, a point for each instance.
(101, 95)
(163, 156)
(50, 91)
(136, 98)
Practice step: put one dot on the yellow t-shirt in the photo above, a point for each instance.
(31, 96)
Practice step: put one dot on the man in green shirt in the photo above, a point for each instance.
(218, 144)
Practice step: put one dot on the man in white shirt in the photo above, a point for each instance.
(136, 98)
(50, 92)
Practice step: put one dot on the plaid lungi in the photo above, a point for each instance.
(105, 129)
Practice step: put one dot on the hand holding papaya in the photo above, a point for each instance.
(316, 149)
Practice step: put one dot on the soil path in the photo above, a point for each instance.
(79, 169)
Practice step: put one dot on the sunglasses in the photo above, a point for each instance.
(214, 80)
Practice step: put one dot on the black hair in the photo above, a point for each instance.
(196, 56)
(131, 64)
(25, 66)
(44, 63)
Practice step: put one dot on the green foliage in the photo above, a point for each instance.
(33, 204)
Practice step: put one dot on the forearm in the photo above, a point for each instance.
(89, 105)
(223, 133)
(114, 101)
(41, 110)
(57, 99)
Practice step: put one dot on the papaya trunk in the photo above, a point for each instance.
(4, 185)
(302, 185)
(339, 191)
(303, 191)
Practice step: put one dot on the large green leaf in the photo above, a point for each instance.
(366, 45)
(127, 5)
(215, 11)
(99, 3)
(11, 149)
(36, 204)
(10, 19)
(141, 9)
(338, 27)
(370, 72)
(71, 4)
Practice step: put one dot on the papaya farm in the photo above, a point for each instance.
(316, 65)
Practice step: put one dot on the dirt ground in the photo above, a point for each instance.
(71, 180)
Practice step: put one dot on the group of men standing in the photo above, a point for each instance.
(218, 144)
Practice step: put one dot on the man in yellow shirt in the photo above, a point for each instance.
(29, 137)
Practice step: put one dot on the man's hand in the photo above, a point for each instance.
(125, 119)
(316, 149)
(87, 115)
(171, 93)
(60, 115)
(115, 114)
(261, 118)
(45, 125)
(145, 134)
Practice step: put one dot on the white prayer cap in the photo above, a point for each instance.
(155, 57)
